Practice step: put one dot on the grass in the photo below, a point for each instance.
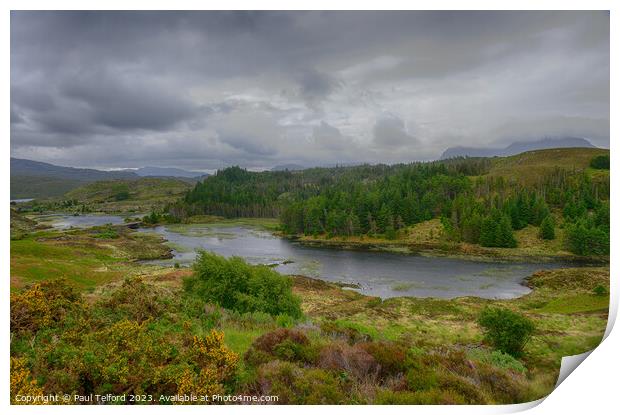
(239, 340)
(271, 224)
(528, 167)
(579, 303)
(86, 268)
(83, 257)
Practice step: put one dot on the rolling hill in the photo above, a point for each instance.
(136, 195)
(35, 179)
(530, 166)
(150, 171)
(516, 148)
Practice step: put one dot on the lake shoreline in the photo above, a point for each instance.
(455, 251)
(444, 249)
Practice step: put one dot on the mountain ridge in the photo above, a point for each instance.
(516, 147)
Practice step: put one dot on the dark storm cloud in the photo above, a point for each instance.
(121, 103)
(207, 89)
(316, 86)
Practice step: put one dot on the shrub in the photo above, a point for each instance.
(42, 305)
(497, 359)
(504, 386)
(422, 378)
(506, 330)
(600, 162)
(236, 285)
(426, 397)
(121, 192)
(107, 233)
(391, 357)
(342, 357)
(284, 344)
(599, 290)
(547, 228)
(210, 351)
(350, 333)
(294, 385)
(134, 300)
(22, 383)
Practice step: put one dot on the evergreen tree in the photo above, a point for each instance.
(547, 228)
(488, 231)
(504, 236)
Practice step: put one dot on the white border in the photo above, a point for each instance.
(590, 389)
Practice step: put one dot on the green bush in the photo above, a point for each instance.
(547, 228)
(497, 358)
(506, 330)
(600, 162)
(121, 192)
(107, 233)
(599, 290)
(294, 385)
(236, 285)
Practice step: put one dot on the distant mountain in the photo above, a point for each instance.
(34, 179)
(150, 171)
(290, 167)
(516, 148)
(22, 167)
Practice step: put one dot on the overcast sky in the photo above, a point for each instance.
(203, 90)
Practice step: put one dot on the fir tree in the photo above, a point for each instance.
(547, 228)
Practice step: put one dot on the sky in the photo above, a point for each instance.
(206, 90)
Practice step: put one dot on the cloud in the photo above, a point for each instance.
(207, 89)
(128, 103)
(327, 137)
(390, 132)
(316, 86)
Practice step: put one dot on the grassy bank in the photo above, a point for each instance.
(428, 238)
(85, 257)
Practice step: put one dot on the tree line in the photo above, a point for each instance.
(380, 200)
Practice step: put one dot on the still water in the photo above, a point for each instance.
(81, 221)
(375, 273)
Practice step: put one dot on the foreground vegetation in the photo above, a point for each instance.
(355, 350)
(165, 332)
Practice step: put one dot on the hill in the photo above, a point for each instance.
(516, 148)
(141, 195)
(150, 171)
(530, 166)
(35, 179)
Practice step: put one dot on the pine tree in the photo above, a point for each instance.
(547, 228)
(488, 231)
(504, 235)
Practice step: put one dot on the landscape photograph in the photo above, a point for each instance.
(306, 207)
